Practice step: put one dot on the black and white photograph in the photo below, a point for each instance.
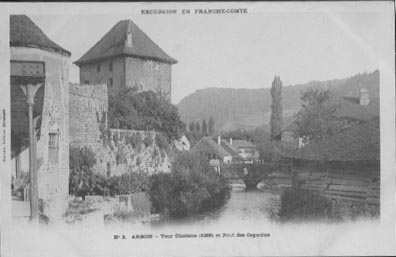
(198, 129)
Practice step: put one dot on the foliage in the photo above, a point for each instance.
(211, 125)
(120, 156)
(191, 187)
(81, 178)
(135, 141)
(191, 126)
(132, 182)
(193, 137)
(304, 205)
(197, 127)
(276, 107)
(204, 127)
(148, 141)
(315, 121)
(162, 142)
(144, 111)
(104, 131)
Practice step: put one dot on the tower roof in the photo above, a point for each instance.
(114, 43)
(23, 32)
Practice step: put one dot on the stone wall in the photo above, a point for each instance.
(88, 108)
(53, 170)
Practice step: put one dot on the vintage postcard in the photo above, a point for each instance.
(197, 129)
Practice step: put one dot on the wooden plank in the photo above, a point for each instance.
(349, 177)
(352, 199)
(348, 188)
(374, 201)
(349, 182)
(345, 193)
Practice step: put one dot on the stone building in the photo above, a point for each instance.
(125, 57)
(31, 53)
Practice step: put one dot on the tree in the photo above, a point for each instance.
(197, 127)
(276, 106)
(81, 179)
(191, 126)
(211, 126)
(315, 120)
(191, 187)
(144, 111)
(204, 127)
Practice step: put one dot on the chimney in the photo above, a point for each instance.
(230, 140)
(218, 140)
(364, 97)
(128, 41)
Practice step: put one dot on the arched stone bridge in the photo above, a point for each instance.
(253, 173)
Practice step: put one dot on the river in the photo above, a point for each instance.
(251, 205)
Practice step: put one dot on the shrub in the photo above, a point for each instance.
(128, 183)
(191, 187)
(120, 158)
(162, 142)
(135, 141)
(81, 178)
(148, 141)
(304, 205)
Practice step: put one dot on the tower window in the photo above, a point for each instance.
(98, 68)
(110, 82)
(111, 66)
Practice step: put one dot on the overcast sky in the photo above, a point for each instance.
(239, 51)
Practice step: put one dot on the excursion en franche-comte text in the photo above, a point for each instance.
(195, 11)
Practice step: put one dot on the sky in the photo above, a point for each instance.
(239, 50)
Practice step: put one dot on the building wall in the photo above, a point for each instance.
(88, 104)
(131, 72)
(53, 175)
(90, 75)
(149, 75)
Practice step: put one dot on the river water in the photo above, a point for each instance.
(249, 206)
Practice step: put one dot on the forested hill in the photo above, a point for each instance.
(250, 108)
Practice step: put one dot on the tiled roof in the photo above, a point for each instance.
(209, 145)
(23, 32)
(243, 144)
(349, 110)
(113, 44)
(358, 143)
(229, 148)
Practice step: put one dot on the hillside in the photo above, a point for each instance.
(250, 108)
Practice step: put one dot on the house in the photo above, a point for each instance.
(37, 60)
(344, 167)
(125, 57)
(219, 150)
(246, 150)
(349, 110)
